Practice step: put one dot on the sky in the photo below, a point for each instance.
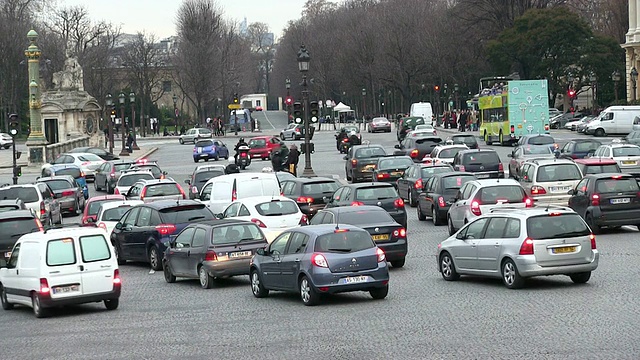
(158, 16)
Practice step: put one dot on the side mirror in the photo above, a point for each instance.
(571, 192)
(510, 155)
(345, 158)
(460, 236)
(187, 181)
(261, 252)
(220, 216)
(397, 146)
(119, 225)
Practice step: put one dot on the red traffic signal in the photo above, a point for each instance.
(288, 100)
(436, 88)
(571, 93)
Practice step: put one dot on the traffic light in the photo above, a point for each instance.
(13, 125)
(314, 111)
(113, 113)
(288, 100)
(235, 98)
(436, 88)
(17, 171)
(571, 93)
(297, 112)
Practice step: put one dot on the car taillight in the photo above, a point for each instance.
(305, 199)
(304, 220)
(112, 174)
(461, 168)
(166, 229)
(210, 256)
(102, 225)
(400, 233)
(538, 190)
(595, 200)
(475, 208)
(354, 162)
(44, 286)
(500, 167)
(414, 153)
(381, 256)
(43, 210)
(234, 195)
(345, 140)
(143, 193)
(528, 202)
(593, 241)
(117, 281)
(67, 193)
(184, 196)
(319, 260)
(258, 222)
(383, 176)
(527, 247)
(194, 189)
(513, 129)
(399, 203)
(418, 184)
(357, 203)
(441, 202)
(116, 191)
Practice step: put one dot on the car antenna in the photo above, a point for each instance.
(338, 219)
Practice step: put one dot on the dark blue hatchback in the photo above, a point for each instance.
(209, 149)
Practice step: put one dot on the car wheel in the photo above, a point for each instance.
(486, 139)
(195, 160)
(111, 304)
(6, 305)
(595, 228)
(257, 288)
(421, 215)
(308, 294)
(434, 216)
(282, 136)
(38, 310)
(452, 230)
(195, 140)
(347, 175)
(119, 258)
(501, 139)
(599, 132)
(398, 263)
(579, 278)
(216, 158)
(168, 275)
(206, 281)
(411, 199)
(206, 159)
(154, 259)
(510, 276)
(447, 268)
(379, 293)
(181, 141)
(95, 185)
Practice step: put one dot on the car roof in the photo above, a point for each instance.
(609, 175)
(356, 147)
(106, 197)
(542, 162)
(324, 229)
(57, 177)
(495, 182)
(369, 185)
(594, 161)
(254, 200)
(244, 175)
(115, 204)
(471, 151)
(16, 214)
(453, 173)
(72, 230)
(310, 180)
(55, 167)
(618, 145)
(120, 161)
(350, 209)
(8, 186)
(260, 137)
(584, 140)
(452, 146)
(157, 181)
(166, 204)
(524, 213)
(223, 222)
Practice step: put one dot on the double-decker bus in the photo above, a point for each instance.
(511, 108)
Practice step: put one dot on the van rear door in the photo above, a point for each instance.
(63, 268)
(99, 264)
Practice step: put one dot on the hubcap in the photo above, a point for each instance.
(509, 273)
(446, 266)
(203, 277)
(255, 283)
(305, 290)
(153, 259)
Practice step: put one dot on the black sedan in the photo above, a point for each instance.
(390, 169)
(388, 235)
(311, 194)
(200, 176)
(379, 194)
(104, 154)
(439, 193)
(414, 178)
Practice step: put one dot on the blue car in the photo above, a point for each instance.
(321, 259)
(68, 169)
(210, 149)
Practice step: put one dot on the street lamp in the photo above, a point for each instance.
(364, 104)
(175, 112)
(132, 100)
(287, 84)
(303, 65)
(615, 76)
(13, 125)
(593, 80)
(456, 88)
(634, 81)
(109, 106)
(121, 100)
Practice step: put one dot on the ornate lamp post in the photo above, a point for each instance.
(121, 100)
(446, 92)
(175, 112)
(615, 76)
(594, 83)
(303, 66)
(132, 100)
(287, 84)
(364, 105)
(634, 82)
(109, 106)
(36, 140)
(456, 89)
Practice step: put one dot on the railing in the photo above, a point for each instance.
(54, 150)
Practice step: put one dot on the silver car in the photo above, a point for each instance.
(155, 190)
(68, 193)
(128, 178)
(195, 134)
(516, 244)
(293, 131)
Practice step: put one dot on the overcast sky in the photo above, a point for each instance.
(158, 16)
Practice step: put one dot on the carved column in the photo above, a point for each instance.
(36, 141)
(633, 23)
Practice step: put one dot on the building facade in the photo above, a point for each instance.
(632, 49)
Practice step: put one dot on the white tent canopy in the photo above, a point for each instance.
(341, 107)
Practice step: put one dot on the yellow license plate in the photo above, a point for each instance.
(369, 167)
(629, 162)
(380, 237)
(396, 173)
(564, 250)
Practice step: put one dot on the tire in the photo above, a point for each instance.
(206, 159)
(216, 158)
(38, 310)
(308, 294)
(421, 215)
(510, 275)
(592, 224)
(486, 139)
(411, 199)
(282, 136)
(111, 304)
(379, 293)
(95, 185)
(110, 190)
(452, 230)
(434, 216)
(195, 140)
(347, 175)
(599, 132)
(242, 167)
(447, 267)
(195, 160)
(181, 141)
(579, 278)
(257, 288)
(154, 259)
(6, 305)
(398, 263)
(118, 251)
(206, 281)
(76, 211)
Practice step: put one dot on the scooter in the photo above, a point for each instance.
(344, 146)
(243, 160)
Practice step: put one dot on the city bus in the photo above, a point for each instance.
(511, 108)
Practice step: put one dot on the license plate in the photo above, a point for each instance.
(7, 254)
(369, 167)
(564, 250)
(396, 173)
(354, 279)
(628, 162)
(559, 188)
(380, 237)
(239, 254)
(482, 176)
(203, 155)
(65, 289)
(621, 201)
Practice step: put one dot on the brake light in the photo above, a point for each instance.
(304, 220)
(166, 229)
(528, 202)
(354, 162)
(555, 213)
(337, 231)
(527, 247)
(210, 256)
(357, 203)
(345, 140)
(181, 191)
(593, 241)
(112, 174)
(67, 193)
(595, 200)
(500, 167)
(258, 222)
(418, 184)
(44, 286)
(234, 195)
(162, 177)
(513, 129)
(381, 256)
(102, 225)
(400, 233)
(538, 190)
(383, 176)
(475, 208)
(43, 211)
(304, 199)
(117, 281)
(399, 203)
(616, 177)
(461, 168)
(441, 202)
(143, 193)
(194, 189)
(319, 260)
(414, 153)
(116, 191)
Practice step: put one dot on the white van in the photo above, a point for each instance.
(63, 266)
(221, 191)
(614, 120)
(424, 110)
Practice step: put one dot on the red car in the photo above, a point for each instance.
(263, 146)
(93, 205)
(597, 166)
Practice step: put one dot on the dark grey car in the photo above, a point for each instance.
(69, 194)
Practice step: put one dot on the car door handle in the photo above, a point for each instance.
(105, 266)
(81, 267)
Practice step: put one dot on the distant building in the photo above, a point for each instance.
(244, 26)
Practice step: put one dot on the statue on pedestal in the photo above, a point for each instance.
(71, 77)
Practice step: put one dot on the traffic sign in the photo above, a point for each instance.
(234, 107)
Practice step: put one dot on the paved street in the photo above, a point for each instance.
(423, 317)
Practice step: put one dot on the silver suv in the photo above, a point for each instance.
(514, 244)
(37, 197)
(549, 181)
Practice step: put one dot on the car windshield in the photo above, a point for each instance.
(13, 228)
(601, 169)
(423, 127)
(121, 167)
(204, 176)
(502, 193)
(449, 153)
(536, 150)
(365, 217)
(130, 179)
(58, 184)
(319, 187)
(369, 152)
(89, 157)
(94, 206)
(277, 208)
(616, 185)
(586, 146)
(376, 193)
(428, 141)
(351, 128)
(204, 143)
(554, 227)
(626, 151)
(395, 163)
(166, 189)
(114, 214)
(76, 173)
(558, 172)
(185, 214)
(429, 171)
(540, 140)
(26, 194)
(455, 182)
(255, 143)
(483, 157)
(344, 241)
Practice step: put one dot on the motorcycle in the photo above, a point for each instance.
(243, 159)
(344, 146)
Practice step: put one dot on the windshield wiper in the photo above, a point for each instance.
(195, 218)
(243, 239)
(384, 198)
(340, 250)
(275, 214)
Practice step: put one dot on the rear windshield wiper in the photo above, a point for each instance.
(244, 239)
(195, 218)
(275, 214)
(384, 198)
(571, 234)
(340, 250)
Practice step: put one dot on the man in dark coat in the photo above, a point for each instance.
(276, 160)
(292, 160)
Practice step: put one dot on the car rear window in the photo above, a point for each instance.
(626, 151)
(26, 194)
(369, 152)
(130, 179)
(257, 143)
(204, 131)
(204, 143)
(586, 146)
(11, 229)
(428, 141)
(394, 163)
(536, 150)
(277, 208)
(162, 190)
(449, 153)
(234, 234)
(114, 214)
(429, 171)
(365, 217)
(483, 157)
(94, 248)
(256, 187)
(76, 173)
(58, 184)
(616, 185)
(501, 193)
(4, 208)
(556, 226)
(319, 187)
(344, 242)
(61, 252)
(455, 182)
(94, 206)
(122, 167)
(203, 177)
(376, 193)
(185, 214)
(89, 157)
(601, 169)
(558, 172)
(540, 140)
(467, 140)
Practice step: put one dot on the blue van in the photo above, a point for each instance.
(68, 169)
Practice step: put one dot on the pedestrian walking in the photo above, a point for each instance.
(292, 160)
(130, 142)
(276, 161)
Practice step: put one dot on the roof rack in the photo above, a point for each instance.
(69, 225)
(504, 209)
(557, 207)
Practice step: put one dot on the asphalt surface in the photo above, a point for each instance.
(423, 317)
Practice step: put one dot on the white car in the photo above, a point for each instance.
(128, 178)
(111, 212)
(273, 214)
(87, 162)
(443, 154)
(423, 130)
(5, 141)
(626, 155)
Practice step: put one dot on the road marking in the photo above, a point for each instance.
(269, 121)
